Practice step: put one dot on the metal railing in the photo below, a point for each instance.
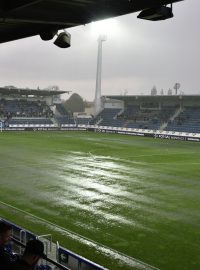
(60, 266)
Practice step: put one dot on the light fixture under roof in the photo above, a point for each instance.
(156, 13)
(63, 40)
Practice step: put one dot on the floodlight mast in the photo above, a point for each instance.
(101, 39)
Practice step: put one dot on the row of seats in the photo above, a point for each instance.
(187, 121)
(20, 112)
(24, 108)
(62, 120)
(134, 117)
(30, 121)
(68, 120)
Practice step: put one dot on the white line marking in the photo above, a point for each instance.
(106, 250)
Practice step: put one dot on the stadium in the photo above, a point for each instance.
(113, 187)
(99, 193)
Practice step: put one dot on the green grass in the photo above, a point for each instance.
(136, 196)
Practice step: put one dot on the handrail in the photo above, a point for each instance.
(47, 259)
(46, 235)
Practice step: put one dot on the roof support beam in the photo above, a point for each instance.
(20, 4)
(40, 21)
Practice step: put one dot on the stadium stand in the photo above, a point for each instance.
(24, 108)
(61, 110)
(106, 117)
(29, 107)
(41, 108)
(82, 121)
(57, 257)
(147, 118)
(188, 121)
(73, 120)
(167, 113)
(135, 117)
(65, 120)
(29, 121)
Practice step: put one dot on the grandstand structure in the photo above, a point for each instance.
(26, 109)
(176, 113)
(29, 107)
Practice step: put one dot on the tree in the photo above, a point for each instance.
(154, 91)
(10, 87)
(162, 92)
(75, 103)
(169, 92)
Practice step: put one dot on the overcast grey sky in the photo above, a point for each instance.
(136, 56)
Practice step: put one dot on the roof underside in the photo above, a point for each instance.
(27, 92)
(24, 18)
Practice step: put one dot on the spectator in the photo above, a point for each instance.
(34, 250)
(5, 235)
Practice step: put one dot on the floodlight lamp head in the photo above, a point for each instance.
(158, 13)
(63, 40)
(177, 86)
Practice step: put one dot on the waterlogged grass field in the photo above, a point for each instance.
(110, 198)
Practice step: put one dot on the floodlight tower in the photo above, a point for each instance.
(97, 102)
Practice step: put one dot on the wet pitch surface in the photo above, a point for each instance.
(110, 198)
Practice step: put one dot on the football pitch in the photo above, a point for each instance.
(113, 199)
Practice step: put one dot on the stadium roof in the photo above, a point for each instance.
(25, 18)
(27, 92)
(127, 98)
